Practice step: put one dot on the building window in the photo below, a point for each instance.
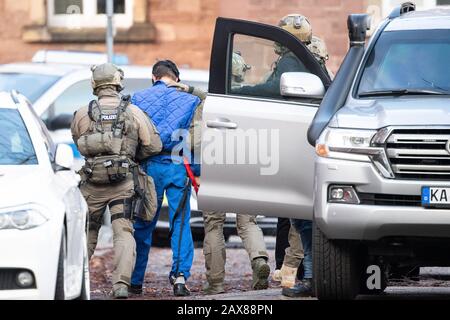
(443, 2)
(76, 14)
(119, 6)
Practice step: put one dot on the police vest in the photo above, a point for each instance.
(110, 143)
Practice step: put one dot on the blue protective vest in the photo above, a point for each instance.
(169, 109)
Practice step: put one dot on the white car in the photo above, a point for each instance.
(43, 216)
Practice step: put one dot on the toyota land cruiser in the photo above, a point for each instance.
(382, 189)
(380, 192)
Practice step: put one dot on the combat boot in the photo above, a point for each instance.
(136, 289)
(302, 289)
(179, 288)
(120, 291)
(277, 276)
(261, 272)
(288, 276)
(216, 288)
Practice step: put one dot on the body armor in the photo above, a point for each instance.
(110, 144)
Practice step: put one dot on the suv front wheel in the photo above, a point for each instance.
(337, 270)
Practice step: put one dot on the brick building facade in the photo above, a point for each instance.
(150, 29)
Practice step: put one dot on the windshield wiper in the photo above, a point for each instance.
(27, 159)
(402, 92)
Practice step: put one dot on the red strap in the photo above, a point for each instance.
(190, 174)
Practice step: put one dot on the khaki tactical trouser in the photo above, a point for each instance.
(294, 253)
(98, 197)
(214, 243)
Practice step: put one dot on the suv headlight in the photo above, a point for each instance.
(355, 145)
(21, 219)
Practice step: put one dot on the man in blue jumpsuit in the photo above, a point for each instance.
(171, 109)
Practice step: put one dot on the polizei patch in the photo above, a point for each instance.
(109, 117)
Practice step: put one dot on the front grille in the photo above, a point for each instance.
(419, 153)
(374, 199)
(8, 279)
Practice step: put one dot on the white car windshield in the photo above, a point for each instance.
(30, 85)
(15, 142)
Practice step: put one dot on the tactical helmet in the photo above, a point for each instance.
(298, 25)
(319, 49)
(106, 75)
(239, 67)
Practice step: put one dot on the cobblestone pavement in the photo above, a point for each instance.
(434, 283)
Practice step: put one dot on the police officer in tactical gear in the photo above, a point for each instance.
(300, 27)
(238, 70)
(247, 227)
(319, 50)
(113, 136)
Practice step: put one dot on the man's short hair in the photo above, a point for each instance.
(166, 68)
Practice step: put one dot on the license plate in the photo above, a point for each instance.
(436, 197)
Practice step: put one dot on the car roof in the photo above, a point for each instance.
(61, 70)
(40, 68)
(7, 101)
(438, 18)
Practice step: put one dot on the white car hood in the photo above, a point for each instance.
(23, 184)
(404, 111)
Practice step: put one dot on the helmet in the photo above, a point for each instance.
(319, 49)
(107, 74)
(239, 67)
(298, 25)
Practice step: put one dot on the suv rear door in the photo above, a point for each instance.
(255, 155)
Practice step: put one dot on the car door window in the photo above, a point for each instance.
(73, 98)
(81, 93)
(45, 135)
(257, 66)
(131, 86)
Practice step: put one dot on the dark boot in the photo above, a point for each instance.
(136, 289)
(213, 288)
(261, 272)
(179, 287)
(301, 289)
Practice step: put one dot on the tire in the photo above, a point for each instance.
(59, 289)
(336, 268)
(160, 239)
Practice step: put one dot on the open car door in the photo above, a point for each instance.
(255, 154)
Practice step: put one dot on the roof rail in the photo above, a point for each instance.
(405, 7)
(14, 96)
(77, 57)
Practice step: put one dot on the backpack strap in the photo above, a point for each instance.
(119, 124)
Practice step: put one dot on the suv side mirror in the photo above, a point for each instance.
(64, 157)
(62, 121)
(301, 85)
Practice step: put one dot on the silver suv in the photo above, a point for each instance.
(382, 186)
(380, 193)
